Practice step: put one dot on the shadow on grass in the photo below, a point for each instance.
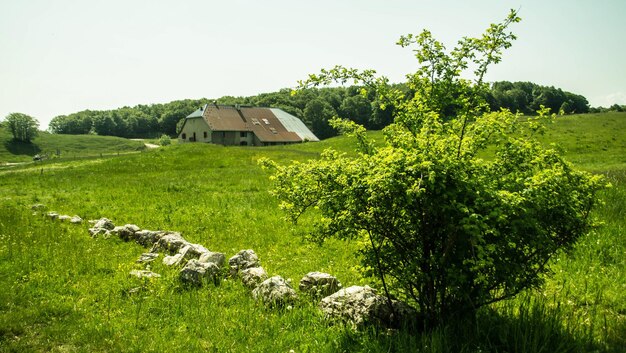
(529, 327)
(22, 148)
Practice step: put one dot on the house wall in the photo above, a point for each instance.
(247, 137)
(258, 142)
(197, 126)
(233, 138)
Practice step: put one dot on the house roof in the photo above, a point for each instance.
(268, 124)
(197, 113)
(224, 118)
(292, 123)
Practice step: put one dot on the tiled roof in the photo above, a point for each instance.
(224, 118)
(267, 127)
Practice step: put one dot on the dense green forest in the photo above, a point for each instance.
(314, 106)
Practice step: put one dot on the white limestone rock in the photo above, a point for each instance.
(217, 258)
(253, 276)
(144, 274)
(274, 292)
(198, 273)
(319, 284)
(362, 305)
(242, 260)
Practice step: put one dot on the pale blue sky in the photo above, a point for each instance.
(63, 56)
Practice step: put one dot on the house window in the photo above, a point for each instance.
(243, 134)
(223, 134)
(184, 136)
(205, 134)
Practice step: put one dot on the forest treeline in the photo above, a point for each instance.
(314, 106)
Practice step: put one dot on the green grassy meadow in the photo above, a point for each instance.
(68, 146)
(63, 291)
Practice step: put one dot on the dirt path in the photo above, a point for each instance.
(148, 145)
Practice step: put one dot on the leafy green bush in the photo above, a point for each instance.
(165, 140)
(440, 226)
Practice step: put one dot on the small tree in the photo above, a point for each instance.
(165, 140)
(441, 226)
(23, 127)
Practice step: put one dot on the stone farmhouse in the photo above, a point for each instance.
(244, 126)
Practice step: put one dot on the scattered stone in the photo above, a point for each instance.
(134, 290)
(319, 284)
(251, 277)
(38, 207)
(196, 251)
(173, 260)
(104, 223)
(196, 272)
(144, 274)
(102, 226)
(147, 257)
(52, 215)
(178, 258)
(217, 258)
(76, 220)
(243, 260)
(126, 232)
(64, 218)
(362, 305)
(95, 232)
(274, 291)
(147, 237)
(170, 242)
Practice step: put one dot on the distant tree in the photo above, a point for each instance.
(566, 107)
(578, 103)
(317, 113)
(23, 127)
(230, 100)
(333, 96)
(357, 108)
(57, 124)
(104, 124)
(76, 123)
(179, 126)
(527, 98)
(170, 118)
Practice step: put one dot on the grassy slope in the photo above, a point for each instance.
(62, 290)
(595, 142)
(69, 146)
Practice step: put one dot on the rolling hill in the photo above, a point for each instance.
(67, 146)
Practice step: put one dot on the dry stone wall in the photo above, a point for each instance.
(198, 266)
